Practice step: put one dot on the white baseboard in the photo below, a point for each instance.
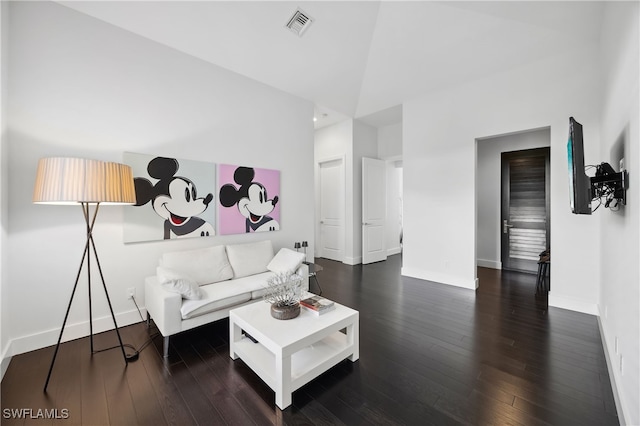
(493, 264)
(620, 409)
(71, 331)
(394, 250)
(352, 260)
(439, 278)
(6, 359)
(358, 259)
(572, 304)
(554, 300)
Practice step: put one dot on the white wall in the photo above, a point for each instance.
(394, 207)
(365, 144)
(620, 231)
(352, 140)
(390, 141)
(439, 152)
(390, 149)
(333, 140)
(80, 87)
(330, 143)
(4, 286)
(488, 189)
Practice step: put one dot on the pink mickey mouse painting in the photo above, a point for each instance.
(249, 199)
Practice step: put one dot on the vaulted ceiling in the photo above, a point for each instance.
(363, 57)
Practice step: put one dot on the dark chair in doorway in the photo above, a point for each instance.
(543, 284)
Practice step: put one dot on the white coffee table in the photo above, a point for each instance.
(290, 353)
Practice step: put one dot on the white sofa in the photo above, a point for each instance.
(195, 287)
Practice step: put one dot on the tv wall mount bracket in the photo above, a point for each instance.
(609, 184)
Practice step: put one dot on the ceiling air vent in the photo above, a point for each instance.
(299, 22)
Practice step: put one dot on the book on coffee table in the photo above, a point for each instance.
(317, 304)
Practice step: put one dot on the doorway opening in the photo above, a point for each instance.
(528, 220)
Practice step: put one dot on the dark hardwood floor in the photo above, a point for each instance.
(429, 354)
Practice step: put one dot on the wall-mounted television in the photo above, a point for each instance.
(579, 182)
(608, 187)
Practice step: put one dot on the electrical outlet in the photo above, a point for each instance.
(131, 292)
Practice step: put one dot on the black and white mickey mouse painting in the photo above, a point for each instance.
(249, 199)
(174, 199)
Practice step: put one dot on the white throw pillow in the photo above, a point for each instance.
(250, 259)
(286, 261)
(205, 266)
(176, 282)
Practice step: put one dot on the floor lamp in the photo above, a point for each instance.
(78, 181)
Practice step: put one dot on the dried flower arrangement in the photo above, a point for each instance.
(284, 289)
(284, 292)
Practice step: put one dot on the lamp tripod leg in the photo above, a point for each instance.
(86, 255)
(115, 324)
(104, 286)
(66, 315)
(85, 211)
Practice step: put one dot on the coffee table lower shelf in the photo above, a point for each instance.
(306, 364)
(287, 366)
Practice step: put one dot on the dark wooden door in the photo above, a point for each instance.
(525, 208)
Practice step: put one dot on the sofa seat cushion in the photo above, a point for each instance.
(257, 294)
(192, 310)
(224, 294)
(213, 300)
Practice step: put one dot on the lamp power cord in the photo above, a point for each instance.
(132, 356)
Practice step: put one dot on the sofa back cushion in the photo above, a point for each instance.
(205, 266)
(249, 259)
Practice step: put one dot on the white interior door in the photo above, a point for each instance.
(374, 211)
(332, 211)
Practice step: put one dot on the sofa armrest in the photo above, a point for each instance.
(163, 306)
(303, 271)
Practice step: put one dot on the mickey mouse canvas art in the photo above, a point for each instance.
(169, 203)
(249, 199)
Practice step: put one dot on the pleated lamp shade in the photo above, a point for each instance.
(77, 180)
